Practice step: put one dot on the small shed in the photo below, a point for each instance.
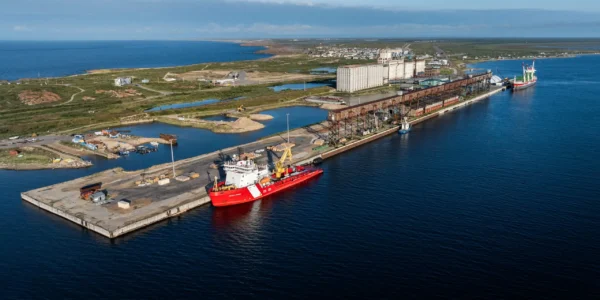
(124, 204)
(98, 196)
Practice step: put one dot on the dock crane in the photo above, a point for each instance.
(280, 168)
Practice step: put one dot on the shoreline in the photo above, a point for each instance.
(110, 70)
(534, 58)
(34, 167)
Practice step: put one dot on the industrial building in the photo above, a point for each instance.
(359, 77)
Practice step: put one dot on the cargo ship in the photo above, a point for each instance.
(528, 79)
(246, 181)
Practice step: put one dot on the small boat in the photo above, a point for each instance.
(142, 150)
(155, 144)
(404, 127)
(13, 138)
(124, 152)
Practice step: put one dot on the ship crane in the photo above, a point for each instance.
(280, 169)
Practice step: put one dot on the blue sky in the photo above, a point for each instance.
(210, 19)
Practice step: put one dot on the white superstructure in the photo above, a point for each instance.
(244, 173)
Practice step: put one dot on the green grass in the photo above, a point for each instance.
(33, 156)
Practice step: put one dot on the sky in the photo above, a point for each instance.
(240, 19)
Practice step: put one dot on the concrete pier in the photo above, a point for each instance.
(154, 203)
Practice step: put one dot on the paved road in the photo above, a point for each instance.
(42, 140)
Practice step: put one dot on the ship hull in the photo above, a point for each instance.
(522, 86)
(257, 191)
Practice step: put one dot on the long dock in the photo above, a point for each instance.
(154, 203)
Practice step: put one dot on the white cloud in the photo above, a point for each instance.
(294, 2)
(258, 28)
(317, 30)
(21, 28)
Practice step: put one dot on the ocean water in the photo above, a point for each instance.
(30, 59)
(498, 200)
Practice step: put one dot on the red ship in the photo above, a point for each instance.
(246, 181)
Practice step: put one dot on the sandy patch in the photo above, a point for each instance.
(120, 94)
(328, 106)
(260, 117)
(246, 124)
(32, 98)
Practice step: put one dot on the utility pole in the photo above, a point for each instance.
(288, 126)
(172, 158)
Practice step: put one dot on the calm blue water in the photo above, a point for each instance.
(183, 105)
(329, 70)
(301, 86)
(498, 200)
(25, 59)
(191, 104)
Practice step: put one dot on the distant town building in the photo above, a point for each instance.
(122, 81)
(387, 55)
(431, 72)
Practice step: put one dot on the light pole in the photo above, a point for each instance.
(288, 126)
(172, 158)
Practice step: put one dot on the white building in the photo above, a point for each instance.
(420, 66)
(359, 77)
(121, 81)
(387, 55)
(394, 70)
